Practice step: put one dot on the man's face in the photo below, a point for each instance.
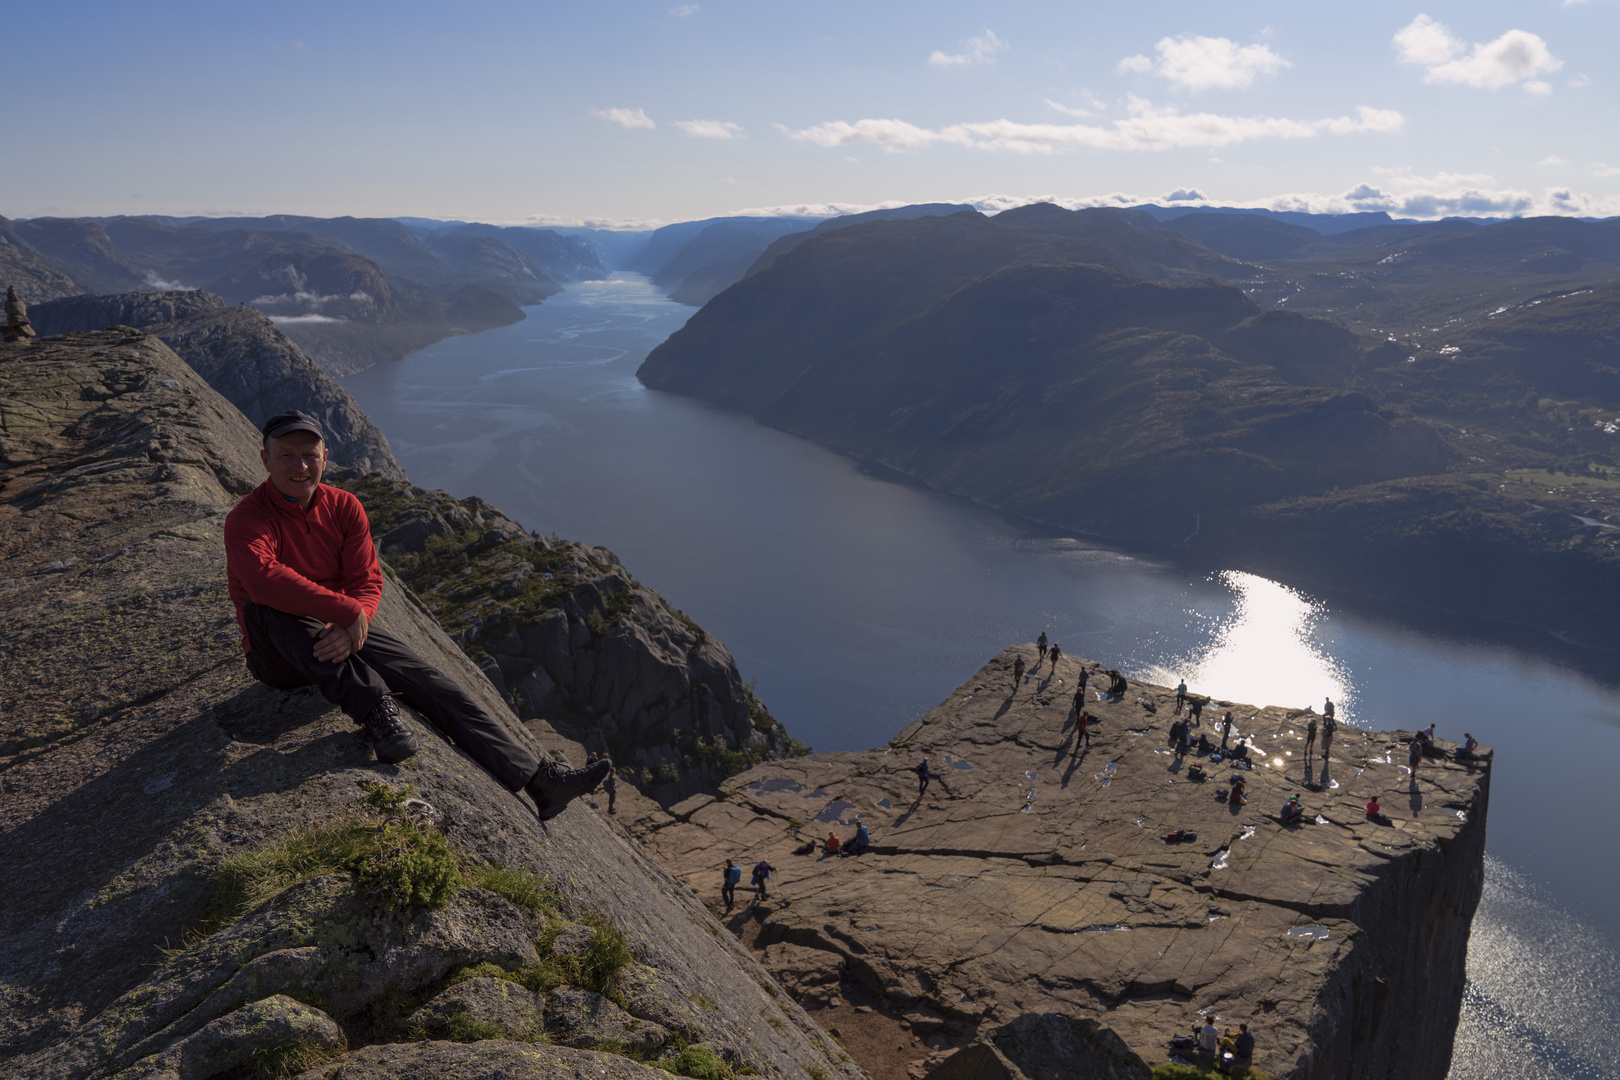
(295, 462)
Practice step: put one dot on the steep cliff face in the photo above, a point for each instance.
(569, 637)
(242, 355)
(1034, 877)
(205, 896)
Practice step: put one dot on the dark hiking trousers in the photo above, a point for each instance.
(282, 655)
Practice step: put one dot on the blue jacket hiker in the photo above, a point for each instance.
(728, 884)
(762, 870)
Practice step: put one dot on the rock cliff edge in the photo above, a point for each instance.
(1033, 883)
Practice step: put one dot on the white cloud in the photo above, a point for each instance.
(684, 10)
(1147, 127)
(625, 118)
(975, 50)
(1515, 57)
(1552, 159)
(1067, 110)
(1206, 63)
(1579, 81)
(1182, 195)
(710, 129)
(1605, 170)
(299, 320)
(1426, 42)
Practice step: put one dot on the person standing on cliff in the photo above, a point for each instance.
(1329, 727)
(728, 884)
(1181, 695)
(1056, 652)
(923, 776)
(1040, 645)
(1082, 730)
(762, 872)
(1018, 673)
(303, 576)
(1080, 691)
(1310, 737)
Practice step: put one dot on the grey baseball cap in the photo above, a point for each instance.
(287, 422)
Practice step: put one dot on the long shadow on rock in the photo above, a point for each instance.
(107, 852)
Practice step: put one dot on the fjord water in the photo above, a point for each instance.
(859, 602)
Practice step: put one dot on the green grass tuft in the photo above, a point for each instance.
(463, 1028)
(699, 1062)
(522, 888)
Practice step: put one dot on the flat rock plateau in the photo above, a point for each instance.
(138, 758)
(1034, 880)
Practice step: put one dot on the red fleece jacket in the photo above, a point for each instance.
(318, 562)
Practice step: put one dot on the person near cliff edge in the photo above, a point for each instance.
(1018, 672)
(1310, 737)
(729, 882)
(1040, 645)
(304, 579)
(924, 774)
(1181, 695)
(1055, 652)
(762, 872)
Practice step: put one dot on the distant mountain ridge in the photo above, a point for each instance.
(351, 291)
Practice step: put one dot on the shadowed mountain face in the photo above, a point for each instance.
(695, 260)
(83, 250)
(1083, 369)
(22, 265)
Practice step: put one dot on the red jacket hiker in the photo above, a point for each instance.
(318, 563)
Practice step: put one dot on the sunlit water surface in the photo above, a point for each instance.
(858, 603)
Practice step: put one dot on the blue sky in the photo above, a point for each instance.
(643, 113)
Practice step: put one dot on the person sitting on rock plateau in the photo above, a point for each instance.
(304, 578)
(1292, 812)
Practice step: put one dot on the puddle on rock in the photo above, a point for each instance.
(886, 804)
(932, 885)
(819, 793)
(1320, 820)
(1222, 859)
(1460, 815)
(1212, 918)
(1139, 822)
(1248, 831)
(1100, 929)
(961, 765)
(1032, 775)
(835, 810)
(775, 783)
(1318, 933)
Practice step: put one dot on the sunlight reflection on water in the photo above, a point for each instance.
(1267, 650)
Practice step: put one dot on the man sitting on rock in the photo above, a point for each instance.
(304, 578)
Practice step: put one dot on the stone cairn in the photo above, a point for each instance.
(17, 326)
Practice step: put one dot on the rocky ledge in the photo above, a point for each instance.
(210, 878)
(1032, 897)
